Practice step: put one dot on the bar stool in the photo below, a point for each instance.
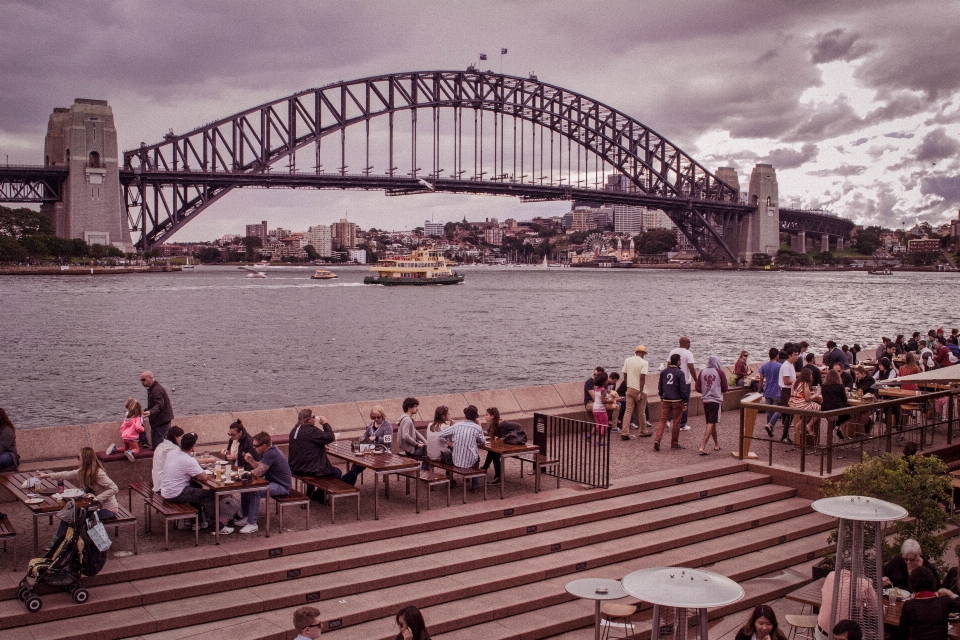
(802, 626)
(622, 613)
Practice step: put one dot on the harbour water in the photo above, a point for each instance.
(73, 347)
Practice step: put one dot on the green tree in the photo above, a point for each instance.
(210, 254)
(100, 251)
(10, 250)
(923, 258)
(656, 241)
(577, 237)
(760, 259)
(311, 252)
(35, 246)
(252, 243)
(24, 222)
(868, 240)
(919, 484)
(450, 230)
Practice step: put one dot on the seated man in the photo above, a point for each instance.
(896, 573)
(308, 450)
(272, 466)
(179, 469)
(464, 437)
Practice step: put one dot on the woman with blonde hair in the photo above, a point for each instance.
(92, 479)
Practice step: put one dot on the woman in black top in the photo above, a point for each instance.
(834, 397)
(926, 615)
(865, 381)
(8, 444)
(762, 625)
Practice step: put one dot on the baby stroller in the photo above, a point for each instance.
(73, 554)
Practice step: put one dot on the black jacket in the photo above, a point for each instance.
(246, 446)
(308, 450)
(158, 404)
(673, 385)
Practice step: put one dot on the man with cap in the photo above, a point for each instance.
(635, 370)
(308, 450)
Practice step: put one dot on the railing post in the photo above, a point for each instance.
(830, 428)
(742, 432)
(803, 449)
(950, 400)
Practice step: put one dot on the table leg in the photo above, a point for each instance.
(376, 496)
(536, 473)
(266, 503)
(216, 517)
(417, 490)
(596, 622)
(36, 535)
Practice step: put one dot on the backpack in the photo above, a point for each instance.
(512, 433)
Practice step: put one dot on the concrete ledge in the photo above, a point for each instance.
(538, 398)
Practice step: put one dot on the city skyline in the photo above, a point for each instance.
(857, 118)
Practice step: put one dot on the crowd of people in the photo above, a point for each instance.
(790, 377)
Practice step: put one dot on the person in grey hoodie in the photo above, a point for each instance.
(711, 384)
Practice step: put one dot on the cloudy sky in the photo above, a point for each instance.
(855, 102)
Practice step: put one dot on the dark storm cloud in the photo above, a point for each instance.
(838, 44)
(900, 135)
(937, 145)
(787, 158)
(946, 187)
(859, 141)
(844, 170)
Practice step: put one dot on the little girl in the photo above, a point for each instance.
(130, 430)
(599, 394)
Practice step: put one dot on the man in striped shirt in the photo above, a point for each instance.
(464, 437)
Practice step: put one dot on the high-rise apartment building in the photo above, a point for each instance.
(320, 237)
(344, 234)
(493, 236)
(432, 228)
(258, 230)
(627, 219)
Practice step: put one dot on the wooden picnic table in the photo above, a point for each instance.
(512, 451)
(49, 505)
(382, 464)
(221, 487)
(810, 595)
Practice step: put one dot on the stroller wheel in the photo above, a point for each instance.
(33, 603)
(22, 592)
(80, 596)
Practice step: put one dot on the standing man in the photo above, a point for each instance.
(159, 410)
(635, 370)
(834, 355)
(308, 450)
(769, 386)
(306, 622)
(786, 378)
(274, 467)
(689, 372)
(674, 395)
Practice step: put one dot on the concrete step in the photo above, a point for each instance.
(238, 549)
(479, 544)
(504, 562)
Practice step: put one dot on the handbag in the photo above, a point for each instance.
(98, 533)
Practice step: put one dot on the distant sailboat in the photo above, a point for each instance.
(545, 265)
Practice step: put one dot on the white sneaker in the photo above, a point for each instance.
(112, 449)
(250, 528)
(242, 522)
(685, 428)
(224, 532)
(634, 426)
(129, 455)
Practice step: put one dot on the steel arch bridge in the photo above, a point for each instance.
(431, 131)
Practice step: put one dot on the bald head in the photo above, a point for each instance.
(146, 378)
(685, 342)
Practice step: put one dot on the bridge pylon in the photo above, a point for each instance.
(83, 139)
(761, 232)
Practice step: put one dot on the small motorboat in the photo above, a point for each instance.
(253, 273)
(883, 272)
(323, 274)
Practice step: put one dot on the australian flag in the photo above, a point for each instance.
(483, 56)
(503, 51)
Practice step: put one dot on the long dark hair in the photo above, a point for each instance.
(414, 619)
(764, 611)
(495, 422)
(5, 422)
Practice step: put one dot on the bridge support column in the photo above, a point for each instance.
(839, 244)
(798, 242)
(825, 243)
(761, 229)
(84, 139)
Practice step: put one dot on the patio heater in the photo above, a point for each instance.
(858, 593)
(674, 591)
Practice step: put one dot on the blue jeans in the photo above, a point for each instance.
(250, 501)
(6, 460)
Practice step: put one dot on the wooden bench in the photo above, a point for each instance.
(334, 488)
(544, 462)
(123, 518)
(463, 472)
(7, 531)
(169, 510)
(430, 478)
(292, 498)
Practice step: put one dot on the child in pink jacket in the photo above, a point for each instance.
(130, 430)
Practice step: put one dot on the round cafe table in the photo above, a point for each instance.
(586, 588)
(682, 589)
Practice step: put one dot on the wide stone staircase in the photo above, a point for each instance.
(492, 570)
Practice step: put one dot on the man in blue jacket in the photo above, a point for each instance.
(674, 391)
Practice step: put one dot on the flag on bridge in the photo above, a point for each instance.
(503, 51)
(483, 56)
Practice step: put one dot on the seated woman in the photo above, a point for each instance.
(834, 397)
(436, 449)
(885, 370)
(926, 615)
(909, 368)
(493, 419)
(802, 397)
(742, 373)
(378, 432)
(9, 460)
(896, 573)
(863, 380)
(762, 625)
(92, 479)
(239, 445)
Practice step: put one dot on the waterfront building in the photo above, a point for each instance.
(493, 236)
(258, 230)
(923, 245)
(344, 234)
(357, 255)
(320, 237)
(432, 228)
(628, 219)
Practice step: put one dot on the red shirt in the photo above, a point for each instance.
(943, 357)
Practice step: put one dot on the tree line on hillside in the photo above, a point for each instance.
(28, 236)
